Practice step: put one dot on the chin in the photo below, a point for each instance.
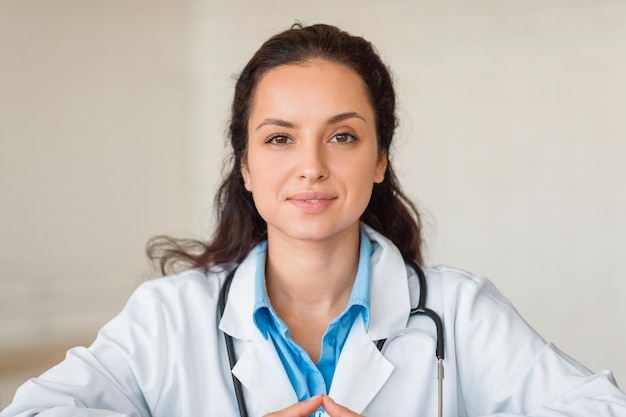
(316, 232)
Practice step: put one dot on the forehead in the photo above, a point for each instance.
(314, 86)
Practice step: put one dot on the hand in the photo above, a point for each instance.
(301, 409)
(335, 410)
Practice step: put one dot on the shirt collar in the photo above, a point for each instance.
(360, 295)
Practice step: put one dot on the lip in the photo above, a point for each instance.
(312, 202)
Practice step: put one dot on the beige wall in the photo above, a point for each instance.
(112, 116)
(91, 162)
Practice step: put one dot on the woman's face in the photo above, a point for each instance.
(312, 154)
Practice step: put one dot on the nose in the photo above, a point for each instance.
(312, 162)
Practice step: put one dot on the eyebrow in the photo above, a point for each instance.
(276, 122)
(345, 116)
(332, 120)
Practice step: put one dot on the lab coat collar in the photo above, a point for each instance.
(361, 370)
(390, 303)
(237, 318)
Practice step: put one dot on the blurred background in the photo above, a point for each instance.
(512, 141)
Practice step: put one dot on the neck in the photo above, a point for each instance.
(312, 277)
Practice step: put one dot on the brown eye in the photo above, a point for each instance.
(278, 140)
(343, 138)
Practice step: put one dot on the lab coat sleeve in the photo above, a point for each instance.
(112, 374)
(505, 369)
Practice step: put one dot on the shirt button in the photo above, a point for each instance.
(320, 413)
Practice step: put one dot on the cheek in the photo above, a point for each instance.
(253, 170)
(260, 168)
(263, 179)
(359, 176)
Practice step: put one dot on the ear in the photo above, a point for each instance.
(381, 168)
(246, 177)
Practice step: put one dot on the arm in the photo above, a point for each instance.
(110, 377)
(507, 370)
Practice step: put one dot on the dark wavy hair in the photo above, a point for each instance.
(239, 226)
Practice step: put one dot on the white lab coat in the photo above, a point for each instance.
(164, 355)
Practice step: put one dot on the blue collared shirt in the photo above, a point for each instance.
(307, 378)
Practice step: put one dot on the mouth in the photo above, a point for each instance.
(310, 202)
(312, 196)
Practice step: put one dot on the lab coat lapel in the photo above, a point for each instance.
(262, 373)
(361, 370)
(258, 366)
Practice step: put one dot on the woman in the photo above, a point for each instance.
(315, 242)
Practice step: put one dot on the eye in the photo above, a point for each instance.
(343, 138)
(278, 140)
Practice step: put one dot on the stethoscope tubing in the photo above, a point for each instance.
(230, 348)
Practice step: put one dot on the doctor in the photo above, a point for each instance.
(313, 229)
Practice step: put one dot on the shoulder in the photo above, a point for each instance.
(474, 309)
(163, 307)
(184, 289)
(465, 300)
(462, 284)
(453, 276)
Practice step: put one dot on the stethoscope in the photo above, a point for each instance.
(421, 309)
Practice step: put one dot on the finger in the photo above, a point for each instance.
(335, 410)
(301, 409)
